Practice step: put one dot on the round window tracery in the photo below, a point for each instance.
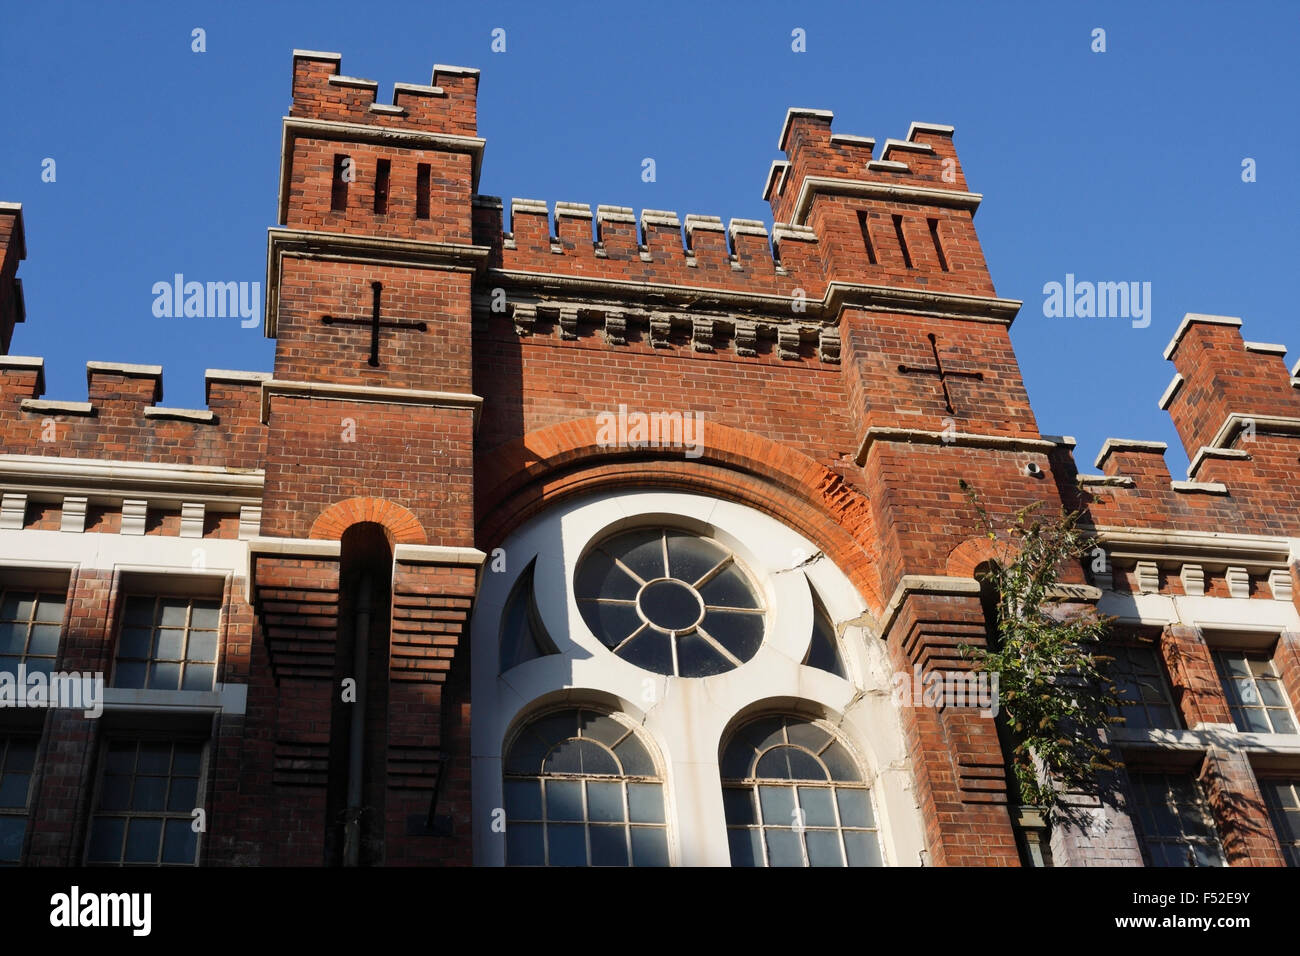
(671, 602)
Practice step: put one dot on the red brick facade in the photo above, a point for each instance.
(503, 336)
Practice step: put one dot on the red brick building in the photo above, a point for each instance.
(600, 538)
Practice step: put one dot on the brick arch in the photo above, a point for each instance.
(402, 526)
(521, 478)
(971, 553)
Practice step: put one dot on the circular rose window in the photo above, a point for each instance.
(671, 602)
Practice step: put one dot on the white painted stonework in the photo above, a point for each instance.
(685, 721)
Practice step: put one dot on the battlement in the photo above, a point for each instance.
(448, 104)
(13, 249)
(123, 420)
(1220, 375)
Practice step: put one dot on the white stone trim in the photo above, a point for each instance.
(1170, 391)
(184, 414)
(746, 227)
(304, 547)
(1191, 317)
(367, 393)
(56, 408)
(193, 514)
(125, 368)
(316, 55)
(866, 189)
(1200, 487)
(615, 214)
(156, 480)
(433, 554)
(1213, 613)
(1238, 582)
(164, 555)
(1127, 444)
(1208, 451)
(1266, 348)
(135, 515)
(250, 522)
(1148, 577)
(1193, 578)
(227, 698)
(794, 111)
(73, 516)
(1279, 584)
(882, 433)
(573, 210)
(929, 128)
(455, 70)
(845, 139)
(683, 721)
(339, 80)
(417, 89)
(888, 165)
(906, 144)
(387, 108)
(13, 511)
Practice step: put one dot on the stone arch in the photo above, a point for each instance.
(401, 525)
(523, 477)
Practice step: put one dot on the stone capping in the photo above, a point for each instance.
(131, 478)
(922, 584)
(889, 165)
(1266, 348)
(230, 375)
(1127, 444)
(537, 207)
(782, 231)
(929, 128)
(1207, 451)
(659, 217)
(794, 111)
(779, 166)
(27, 361)
(1295, 370)
(1236, 420)
(1065, 441)
(16, 208)
(295, 547)
(388, 108)
(434, 554)
(1114, 481)
(58, 408)
(616, 214)
(694, 223)
(367, 393)
(881, 433)
(183, 414)
(905, 144)
(124, 368)
(316, 55)
(746, 227)
(573, 210)
(845, 139)
(353, 81)
(1256, 552)
(1191, 317)
(455, 70)
(1203, 487)
(865, 189)
(1174, 385)
(418, 89)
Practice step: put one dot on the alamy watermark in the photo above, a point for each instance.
(624, 429)
(947, 689)
(1103, 300)
(179, 299)
(71, 690)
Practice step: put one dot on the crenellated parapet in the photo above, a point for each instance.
(123, 418)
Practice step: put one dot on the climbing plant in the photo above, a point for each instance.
(1053, 685)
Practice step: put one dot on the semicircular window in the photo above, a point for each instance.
(794, 796)
(671, 602)
(581, 790)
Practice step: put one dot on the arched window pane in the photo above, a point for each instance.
(793, 797)
(572, 801)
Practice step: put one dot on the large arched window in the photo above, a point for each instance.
(794, 796)
(582, 790)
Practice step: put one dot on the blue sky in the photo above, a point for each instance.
(1115, 166)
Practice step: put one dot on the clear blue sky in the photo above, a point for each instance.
(1115, 166)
